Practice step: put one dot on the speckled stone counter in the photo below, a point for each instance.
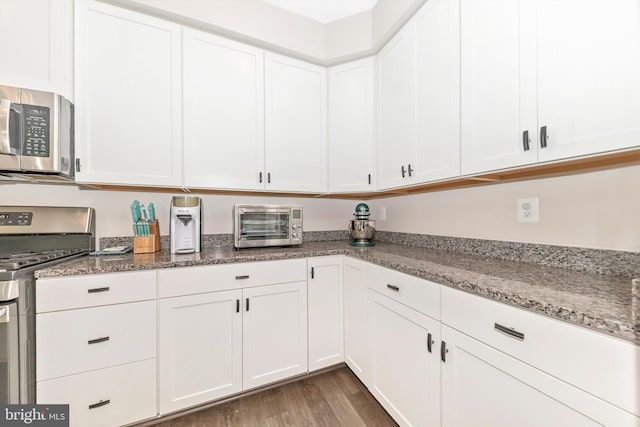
(607, 303)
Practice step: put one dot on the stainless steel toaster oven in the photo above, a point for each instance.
(267, 225)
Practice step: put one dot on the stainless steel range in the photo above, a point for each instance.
(31, 238)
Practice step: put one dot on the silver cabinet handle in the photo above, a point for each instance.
(99, 404)
(403, 170)
(543, 137)
(443, 351)
(260, 175)
(96, 290)
(509, 331)
(409, 169)
(98, 340)
(525, 140)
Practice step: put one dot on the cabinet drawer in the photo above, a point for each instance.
(74, 341)
(211, 278)
(106, 397)
(419, 294)
(603, 366)
(65, 293)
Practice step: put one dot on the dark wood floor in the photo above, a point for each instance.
(334, 398)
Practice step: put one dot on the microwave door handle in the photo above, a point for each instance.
(5, 126)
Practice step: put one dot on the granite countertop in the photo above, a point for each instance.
(609, 304)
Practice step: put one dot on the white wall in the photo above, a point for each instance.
(267, 26)
(596, 210)
(113, 216)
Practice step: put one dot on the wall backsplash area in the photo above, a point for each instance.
(593, 210)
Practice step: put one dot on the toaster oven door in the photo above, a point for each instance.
(263, 227)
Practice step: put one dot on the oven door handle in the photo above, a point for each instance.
(268, 210)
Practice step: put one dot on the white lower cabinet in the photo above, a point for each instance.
(96, 349)
(105, 397)
(405, 366)
(248, 332)
(482, 386)
(356, 322)
(325, 309)
(274, 334)
(200, 343)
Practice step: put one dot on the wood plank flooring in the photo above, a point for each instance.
(333, 398)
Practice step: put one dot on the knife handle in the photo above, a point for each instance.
(152, 213)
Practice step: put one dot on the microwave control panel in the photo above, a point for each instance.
(37, 124)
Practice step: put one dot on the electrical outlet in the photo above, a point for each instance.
(528, 210)
(382, 213)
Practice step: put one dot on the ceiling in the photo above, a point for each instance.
(324, 11)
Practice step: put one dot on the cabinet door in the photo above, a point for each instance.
(296, 123)
(356, 323)
(351, 127)
(36, 41)
(275, 333)
(325, 295)
(128, 120)
(498, 61)
(437, 32)
(396, 109)
(589, 90)
(199, 348)
(482, 386)
(115, 396)
(223, 83)
(405, 367)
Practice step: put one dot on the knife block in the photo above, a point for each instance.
(148, 244)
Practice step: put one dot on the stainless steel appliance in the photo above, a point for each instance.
(267, 225)
(362, 229)
(31, 238)
(185, 219)
(36, 136)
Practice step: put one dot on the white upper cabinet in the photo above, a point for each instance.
(588, 76)
(223, 101)
(351, 163)
(295, 125)
(128, 97)
(437, 33)
(540, 83)
(418, 99)
(498, 84)
(396, 109)
(36, 41)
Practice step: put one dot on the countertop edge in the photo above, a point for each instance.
(600, 324)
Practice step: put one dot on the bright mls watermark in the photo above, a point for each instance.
(34, 415)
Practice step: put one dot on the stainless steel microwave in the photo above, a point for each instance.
(267, 225)
(36, 135)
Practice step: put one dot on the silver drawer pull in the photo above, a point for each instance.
(96, 290)
(99, 404)
(393, 287)
(509, 331)
(98, 340)
(242, 277)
